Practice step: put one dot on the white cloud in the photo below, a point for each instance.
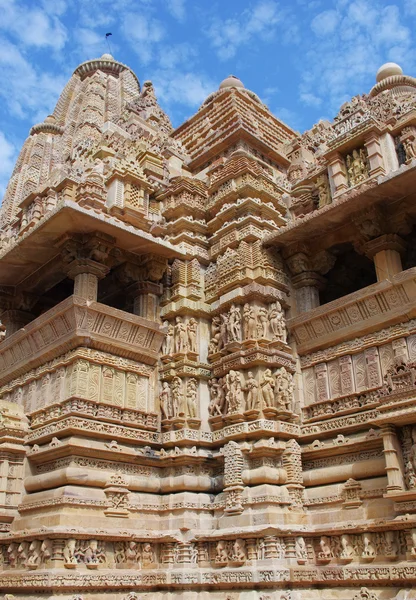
(143, 33)
(258, 22)
(186, 88)
(28, 93)
(351, 43)
(177, 9)
(325, 22)
(8, 156)
(32, 26)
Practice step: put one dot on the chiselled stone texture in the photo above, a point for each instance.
(208, 349)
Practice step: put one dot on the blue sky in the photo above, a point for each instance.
(303, 58)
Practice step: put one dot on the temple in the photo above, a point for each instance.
(208, 349)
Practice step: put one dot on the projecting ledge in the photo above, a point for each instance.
(76, 322)
(372, 308)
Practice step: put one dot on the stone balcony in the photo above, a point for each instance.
(74, 323)
(370, 309)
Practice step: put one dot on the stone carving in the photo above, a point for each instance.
(324, 192)
(191, 397)
(177, 397)
(167, 348)
(165, 398)
(277, 322)
(234, 324)
(234, 392)
(252, 390)
(267, 386)
(181, 336)
(90, 553)
(192, 328)
(250, 325)
(216, 342)
(283, 390)
(357, 167)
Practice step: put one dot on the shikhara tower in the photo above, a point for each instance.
(208, 363)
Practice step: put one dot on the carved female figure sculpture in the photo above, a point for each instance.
(223, 340)
(284, 389)
(148, 555)
(300, 549)
(177, 397)
(325, 548)
(368, 547)
(181, 338)
(263, 322)
(276, 320)
(192, 330)
(252, 389)
(234, 324)
(191, 397)
(217, 399)
(69, 552)
(347, 549)
(168, 341)
(249, 322)
(215, 342)
(267, 388)
(165, 398)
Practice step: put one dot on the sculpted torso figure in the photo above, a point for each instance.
(267, 388)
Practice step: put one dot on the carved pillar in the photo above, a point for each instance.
(145, 296)
(337, 173)
(307, 286)
(394, 459)
(385, 250)
(375, 155)
(86, 274)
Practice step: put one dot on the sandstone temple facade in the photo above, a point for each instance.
(208, 349)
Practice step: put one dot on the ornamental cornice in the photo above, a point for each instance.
(103, 64)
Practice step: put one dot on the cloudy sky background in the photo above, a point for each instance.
(303, 58)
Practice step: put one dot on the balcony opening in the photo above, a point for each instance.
(350, 273)
(53, 296)
(409, 258)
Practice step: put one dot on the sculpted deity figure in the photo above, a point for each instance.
(168, 341)
(148, 555)
(192, 330)
(234, 324)
(276, 320)
(390, 548)
(300, 549)
(216, 405)
(234, 392)
(223, 331)
(215, 343)
(165, 398)
(347, 549)
(368, 547)
(325, 548)
(249, 323)
(69, 552)
(283, 390)
(191, 397)
(357, 167)
(263, 322)
(221, 555)
(177, 397)
(90, 554)
(267, 388)
(239, 552)
(181, 336)
(409, 148)
(252, 389)
(324, 192)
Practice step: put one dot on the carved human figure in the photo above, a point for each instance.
(234, 392)
(165, 399)
(409, 148)
(223, 331)
(347, 549)
(369, 550)
(277, 321)
(356, 167)
(191, 398)
(234, 324)
(215, 343)
(33, 553)
(21, 553)
(132, 552)
(249, 323)
(90, 554)
(12, 554)
(267, 388)
(390, 546)
(239, 552)
(324, 193)
(252, 389)
(192, 332)
(177, 397)
(69, 551)
(167, 348)
(216, 405)
(221, 555)
(325, 547)
(300, 549)
(181, 336)
(284, 389)
(148, 555)
(263, 322)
